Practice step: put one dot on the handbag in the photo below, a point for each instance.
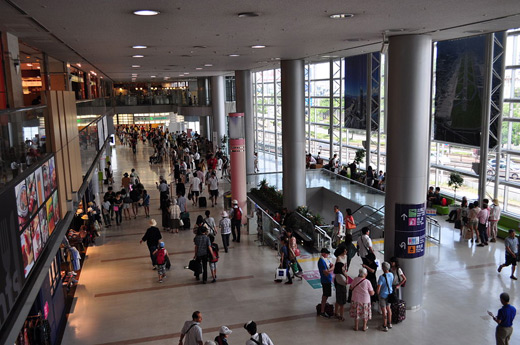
(181, 223)
(280, 274)
(349, 297)
(392, 298)
(341, 279)
(195, 266)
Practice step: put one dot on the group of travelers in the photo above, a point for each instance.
(366, 291)
(191, 333)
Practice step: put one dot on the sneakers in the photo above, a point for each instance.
(499, 268)
(384, 328)
(492, 240)
(389, 326)
(480, 245)
(325, 315)
(154, 268)
(160, 280)
(288, 283)
(514, 278)
(214, 280)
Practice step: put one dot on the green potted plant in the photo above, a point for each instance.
(455, 182)
(360, 155)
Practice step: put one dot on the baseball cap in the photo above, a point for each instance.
(225, 330)
(235, 202)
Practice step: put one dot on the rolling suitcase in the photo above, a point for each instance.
(185, 216)
(202, 201)
(398, 311)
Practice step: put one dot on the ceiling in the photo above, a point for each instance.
(187, 35)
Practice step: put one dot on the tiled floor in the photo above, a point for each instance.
(119, 300)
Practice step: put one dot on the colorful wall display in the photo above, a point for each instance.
(356, 89)
(50, 215)
(27, 251)
(22, 204)
(32, 197)
(459, 95)
(39, 186)
(46, 180)
(44, 229)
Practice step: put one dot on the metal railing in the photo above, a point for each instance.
(368, 188)
(433, 229)
(268, 229)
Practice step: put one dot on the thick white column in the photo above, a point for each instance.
(244, 103)
(218, 98)
(409, 96)
(293, 134)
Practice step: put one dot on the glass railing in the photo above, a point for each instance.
(365, 187)
(433, 229)
(371, 217)
(268, 229)
(22, 140)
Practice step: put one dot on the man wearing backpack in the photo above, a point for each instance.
(236, 221)
(160, 258)
(256, 338)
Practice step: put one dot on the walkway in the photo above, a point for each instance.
(119, 300)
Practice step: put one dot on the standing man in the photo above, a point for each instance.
(483, 217)
(192, 330)
(256, 338)
(195, 188)
(339, 231)
(494, 217)
(213, 188)
(152, 237)
(202, 250)
(325, 267)
(364, 244)
(511, 243)
(504, 320)
(236, 221)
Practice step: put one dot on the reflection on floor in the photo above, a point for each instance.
(119, 300)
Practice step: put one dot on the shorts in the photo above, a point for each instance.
(214, 192)
(327, 289)
(473, 222)
(126, 206)
(510, 260)
(383, 302)
(212, 266)
(195, 192)
(161, 269)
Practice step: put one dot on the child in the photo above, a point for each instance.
(214, 259)
(161, 253)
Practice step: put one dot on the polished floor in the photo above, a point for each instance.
(119, 301)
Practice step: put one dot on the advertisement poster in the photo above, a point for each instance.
(56, 208)
(39, 186)
(50, 216)
(22, 204)
(460, 79)
(11, 269)
(36, 237)
(52, 174)
(44, 229)
(32, 197)
(356, 68)
(46, 180)
(27, 251)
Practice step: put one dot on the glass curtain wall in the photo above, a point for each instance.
(324, 113)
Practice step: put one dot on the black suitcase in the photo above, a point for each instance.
(202, 201)
(185, 216)
(329, 309)
(398, 311)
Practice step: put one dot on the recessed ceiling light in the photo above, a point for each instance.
(139, 47)
(248, 14)
(329, 56)
(208, 65)
(396, 30)
(136, 66)
(181, 75)
(137, 56)
(152, 76)
(354, 40)
(186, 72)
(200, 47)
(257, 46)
(198, 68)
(146, 13)
(276, 58)
(474, 31)
(233, 55)
(341, 15)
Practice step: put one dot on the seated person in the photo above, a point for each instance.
(343, 171)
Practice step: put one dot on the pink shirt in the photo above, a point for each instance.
(361, 292)
(483, 216)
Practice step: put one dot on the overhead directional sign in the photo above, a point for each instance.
(410, 230)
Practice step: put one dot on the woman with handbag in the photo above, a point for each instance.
(359, 298)
(175, 216)
(399, 277)
(350, 224)
(386, 297)
(340, 283)
(294, 252)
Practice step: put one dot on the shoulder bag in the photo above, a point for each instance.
(349, 297)
(392, 298)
